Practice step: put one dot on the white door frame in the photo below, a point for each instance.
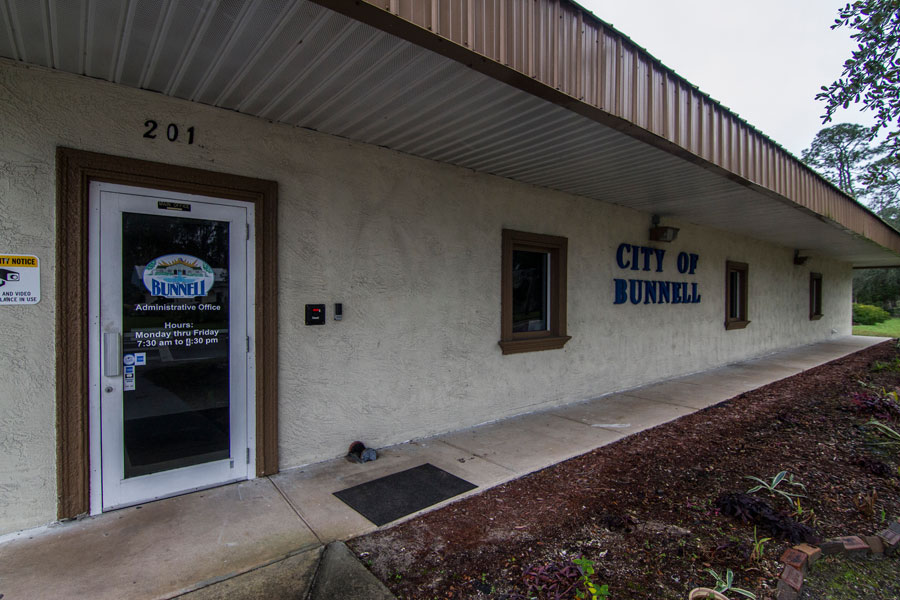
(182, 481)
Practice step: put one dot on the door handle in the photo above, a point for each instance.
(112, 355)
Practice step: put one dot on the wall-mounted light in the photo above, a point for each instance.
(662, 234)
(799, 260)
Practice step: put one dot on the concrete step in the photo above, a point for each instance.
(319, 574)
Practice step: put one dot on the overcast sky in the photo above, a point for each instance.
(765, 60)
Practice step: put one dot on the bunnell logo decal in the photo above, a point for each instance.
(178, 276)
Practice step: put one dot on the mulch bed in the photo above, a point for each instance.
(644, 509)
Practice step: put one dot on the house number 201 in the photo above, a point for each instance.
(171, 131)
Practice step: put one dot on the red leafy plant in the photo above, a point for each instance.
(880, 404)
(566, 578)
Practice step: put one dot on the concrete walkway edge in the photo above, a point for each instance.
(341, 575)
(288, 578)
(265, 537)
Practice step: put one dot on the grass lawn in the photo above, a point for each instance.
(889, 328)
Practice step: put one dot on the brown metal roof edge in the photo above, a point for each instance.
(864, 222)
(749, 125)
(643, 50)
(759, 132)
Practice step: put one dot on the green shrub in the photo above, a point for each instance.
(865, 314)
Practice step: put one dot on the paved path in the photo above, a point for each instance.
(265, 537)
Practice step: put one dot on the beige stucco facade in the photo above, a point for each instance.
(411, 248)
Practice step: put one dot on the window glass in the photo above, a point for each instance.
(815, 295)
(734, 295)
(176, 410)
(533, 292)
(530, 282)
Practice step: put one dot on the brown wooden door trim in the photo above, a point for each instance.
(75, 169)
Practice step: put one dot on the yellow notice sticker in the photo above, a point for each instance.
(20, 279)
(9, 260)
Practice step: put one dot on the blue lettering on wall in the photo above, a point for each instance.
(659, 258)
(645, 258)
(683, 262)
(637, 290)
(640, 291)
(621, 293)
(641, 258)
(687, 263)
(650, 293)
(664, 291)
(620, 256)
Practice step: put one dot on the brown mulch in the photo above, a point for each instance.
(644, 508)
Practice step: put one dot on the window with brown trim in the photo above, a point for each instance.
(815, 296)
(533, 292)
(736, 285)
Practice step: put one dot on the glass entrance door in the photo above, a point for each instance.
(172, 333)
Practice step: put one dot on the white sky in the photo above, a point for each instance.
(763, 59)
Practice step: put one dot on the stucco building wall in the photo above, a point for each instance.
(412, 249)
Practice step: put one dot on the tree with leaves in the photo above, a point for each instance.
(871, 76)
(845, 155)
(880, 287)
(841, 154)
(872, 73)
(882, 187)
(870, 172)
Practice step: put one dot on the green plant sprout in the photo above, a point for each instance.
(772, 486)
(892, 434)
(759, 545)
(586, 567)
(879, 366)
(810, 514)
(725, 585)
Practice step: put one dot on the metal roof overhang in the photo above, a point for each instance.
(352, 69)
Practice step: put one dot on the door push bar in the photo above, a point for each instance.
(112, 355)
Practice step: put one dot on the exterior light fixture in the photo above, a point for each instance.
(662, 234)
(799, 260)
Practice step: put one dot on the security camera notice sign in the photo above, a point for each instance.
(20, 279)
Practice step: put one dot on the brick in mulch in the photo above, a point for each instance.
(891, 541)
(829, 547)
(812, 553)
(895, 527)
(792, 577)
(875, 545)
(795, 558)
(854, 545)
(786, 592)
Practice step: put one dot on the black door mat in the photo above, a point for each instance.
(393, 496)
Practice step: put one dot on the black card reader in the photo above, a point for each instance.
(315, 314)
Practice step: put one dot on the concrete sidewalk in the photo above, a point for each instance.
(265, 538)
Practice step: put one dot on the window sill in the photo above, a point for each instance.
(815, 317)
(534, 344)
(736, 324)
